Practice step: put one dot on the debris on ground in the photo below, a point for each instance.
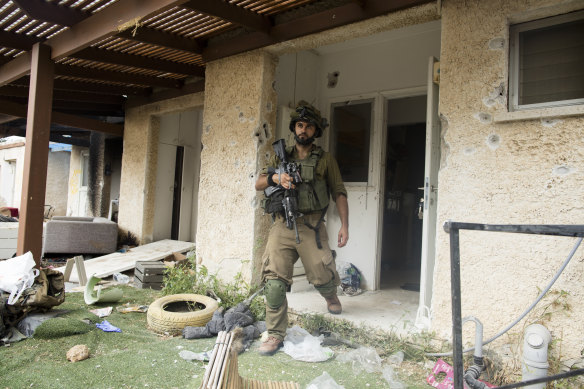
(127, 308)
(102, 312)
(302, 346)
(334, 339)
(106, 326)
(324, 381)
(192, 356)
(78, 353)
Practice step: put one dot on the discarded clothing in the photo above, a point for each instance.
(105, 326)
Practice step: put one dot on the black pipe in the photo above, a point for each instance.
(567, 374)
(456, 308)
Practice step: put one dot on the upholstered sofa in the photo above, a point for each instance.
(80, 235)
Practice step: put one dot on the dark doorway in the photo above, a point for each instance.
(178, 173)
(402, 222)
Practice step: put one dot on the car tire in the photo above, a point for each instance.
(165, 321)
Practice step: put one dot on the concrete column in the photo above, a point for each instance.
(238, 126)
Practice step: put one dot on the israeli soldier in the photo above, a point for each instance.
(321, 179)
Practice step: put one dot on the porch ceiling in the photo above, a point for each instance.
(107, 51)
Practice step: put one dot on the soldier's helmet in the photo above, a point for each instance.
(307, 113)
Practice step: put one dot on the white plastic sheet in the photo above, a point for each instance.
(302, 346)
(16, 275)
(324, 381)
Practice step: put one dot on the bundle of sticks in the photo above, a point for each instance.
(222, 373)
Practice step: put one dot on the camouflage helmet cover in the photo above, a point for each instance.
(307, 113)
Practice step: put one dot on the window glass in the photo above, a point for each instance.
(351, 129)
(547, 62)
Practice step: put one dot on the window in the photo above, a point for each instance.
(351, 130)
(547, 62)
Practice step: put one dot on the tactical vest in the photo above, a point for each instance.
(313, 194)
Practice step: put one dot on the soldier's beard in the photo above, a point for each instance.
(304, 142)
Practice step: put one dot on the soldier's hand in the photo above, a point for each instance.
(343, 236)
(286, 180)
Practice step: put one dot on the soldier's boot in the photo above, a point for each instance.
(333, 305)
(270, 346)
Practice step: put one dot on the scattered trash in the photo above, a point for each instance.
(121, 278)
(324, 381)
(105, 326)
(334, 339)
(302, 346)
(107, 296)
(391, 378)
(29, 324)
(127, 308)
(363, 358)
(78, 353)
(16, 275)
(350, 278)
(102, 312)
(191, 356)
(396, 358)
(442, 367)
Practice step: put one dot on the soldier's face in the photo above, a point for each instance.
(305, 130)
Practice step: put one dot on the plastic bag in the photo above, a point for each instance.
(363, 358)
(302, 346)
(16, 275)
(391, 378)
(350, 278)
(324, 381)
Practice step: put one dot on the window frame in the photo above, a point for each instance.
(514, 31)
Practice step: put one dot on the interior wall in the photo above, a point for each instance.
(527, 171)
(138, 177)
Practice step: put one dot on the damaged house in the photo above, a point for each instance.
(462, 110)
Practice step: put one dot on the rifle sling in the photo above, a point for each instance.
(316, 228)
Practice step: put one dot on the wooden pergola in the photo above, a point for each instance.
(75, 63)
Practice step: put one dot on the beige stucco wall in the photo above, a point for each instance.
(520, 172)
(238, 121)
(57, 181)
(138, 177)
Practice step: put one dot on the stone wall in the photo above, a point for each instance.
(505, 172)
(238, 121)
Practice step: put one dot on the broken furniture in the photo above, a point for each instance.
(117, 262)
(80, 235)
(149, 274)
(8, 239)
(78, 263)
(222, 373)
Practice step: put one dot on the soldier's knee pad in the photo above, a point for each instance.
(327, 290)
(275, 292)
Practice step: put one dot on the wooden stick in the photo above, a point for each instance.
(227, 355)
(218, 344)
(221, 360)
(210, 365)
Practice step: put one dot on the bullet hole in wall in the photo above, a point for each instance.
(469, 151)
(241, 117)
(483, 117)
(493, 141)
(497, 44)
(333, 79)
(550, 122)
(562, 170)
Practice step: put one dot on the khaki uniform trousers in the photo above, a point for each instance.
(281, 254)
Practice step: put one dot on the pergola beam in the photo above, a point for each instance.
(326, 20)
(163, 39)
(231, 13)
(19, 110)
(137, 61)
(51, 12)
(101, 25)
(106, 75)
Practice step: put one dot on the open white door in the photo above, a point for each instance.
(432, 165)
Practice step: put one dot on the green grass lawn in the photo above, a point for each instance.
(139, 358)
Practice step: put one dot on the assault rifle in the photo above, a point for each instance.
(290, 200)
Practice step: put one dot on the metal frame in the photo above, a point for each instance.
(453, 229)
